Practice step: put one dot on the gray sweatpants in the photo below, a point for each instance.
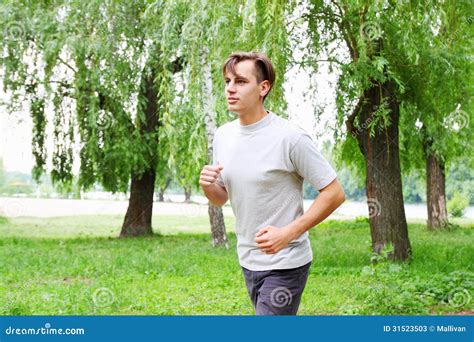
(276, 292)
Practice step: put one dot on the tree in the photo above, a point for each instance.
(162, 189)
(369, 90)
(395, 75)
(437, 101)
(107, 69)
(216, 216)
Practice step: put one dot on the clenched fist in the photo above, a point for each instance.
(209, 175)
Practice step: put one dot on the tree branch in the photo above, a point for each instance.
(350, 120)
(67, 64)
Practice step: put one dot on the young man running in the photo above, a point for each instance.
(260, 162)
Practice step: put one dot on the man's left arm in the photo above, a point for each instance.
(272, 239)
(329, 199)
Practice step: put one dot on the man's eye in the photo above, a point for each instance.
(238, 81)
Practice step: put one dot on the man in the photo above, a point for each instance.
(260, 162)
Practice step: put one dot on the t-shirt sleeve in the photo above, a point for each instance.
(310, 164)
(215, 159)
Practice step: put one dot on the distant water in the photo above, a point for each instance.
(417, 210)
(97, 204)
(350, 208)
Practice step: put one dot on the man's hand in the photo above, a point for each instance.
(216, 194)
(271, 239)
(209, 175)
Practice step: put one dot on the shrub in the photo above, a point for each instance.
(457, 204)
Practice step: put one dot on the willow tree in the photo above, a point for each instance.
(437, 127)
(106, 70)
(125, 83)
(368, 102)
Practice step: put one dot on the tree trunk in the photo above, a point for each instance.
(161, 193)
(436, 192)
(187, 195)
(140, 206)
(383, 178)
(216, 217)
(137, 220)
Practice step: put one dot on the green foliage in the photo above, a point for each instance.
(92, 61)
(423, 49)
(437, 111)
(394, 289)
(414, 188)
(15, 182)
(353, 185)
(460, 179)
(362, 219)
(17, 187)
(457, 204)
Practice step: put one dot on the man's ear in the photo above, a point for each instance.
(264, 88)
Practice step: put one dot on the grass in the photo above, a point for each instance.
(75, 265)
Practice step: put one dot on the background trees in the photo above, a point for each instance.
(406, 68)
(437, 102)
(125, 82)
(136, 91)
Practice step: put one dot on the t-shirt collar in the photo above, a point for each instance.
(257, 125)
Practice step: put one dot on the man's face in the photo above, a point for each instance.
(242, 91)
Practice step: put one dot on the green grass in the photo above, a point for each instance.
(75, 265)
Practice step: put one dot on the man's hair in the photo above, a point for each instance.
(262, 65)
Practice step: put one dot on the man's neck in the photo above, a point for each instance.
(252, 117)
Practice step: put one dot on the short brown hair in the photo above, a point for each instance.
(263, 65)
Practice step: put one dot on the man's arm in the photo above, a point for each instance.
(272, 239)
(329, 199)
(216, 194)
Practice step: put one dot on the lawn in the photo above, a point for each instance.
(76, 266)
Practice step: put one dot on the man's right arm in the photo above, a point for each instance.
(216, 194)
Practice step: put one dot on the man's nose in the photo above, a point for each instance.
(230, 86)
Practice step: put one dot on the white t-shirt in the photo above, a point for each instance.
(265, 164)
